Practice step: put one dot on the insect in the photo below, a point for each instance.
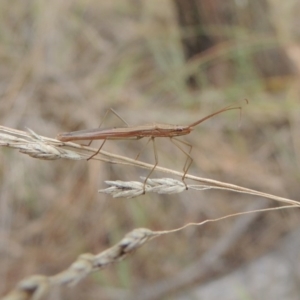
(152, 131)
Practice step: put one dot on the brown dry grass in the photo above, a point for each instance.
(63, 63)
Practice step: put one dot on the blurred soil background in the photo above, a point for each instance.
(64, 63)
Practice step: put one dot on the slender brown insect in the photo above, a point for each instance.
(140, 131)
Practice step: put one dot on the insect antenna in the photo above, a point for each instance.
(216, 113)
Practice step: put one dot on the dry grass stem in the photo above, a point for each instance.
(36, 286)
(64, 64)
(37, 146)
(211, 257)
(46, 148)
(131, 189)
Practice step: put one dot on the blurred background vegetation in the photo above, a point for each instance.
(64, 63)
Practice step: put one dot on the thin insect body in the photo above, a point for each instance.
(152, 131)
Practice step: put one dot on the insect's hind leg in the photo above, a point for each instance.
(189, 160)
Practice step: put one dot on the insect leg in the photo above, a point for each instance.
(143, 149)
(97, 150)
(156, 161)
(103, 119)
(189, 159)
(105, 115)
(117, 115)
